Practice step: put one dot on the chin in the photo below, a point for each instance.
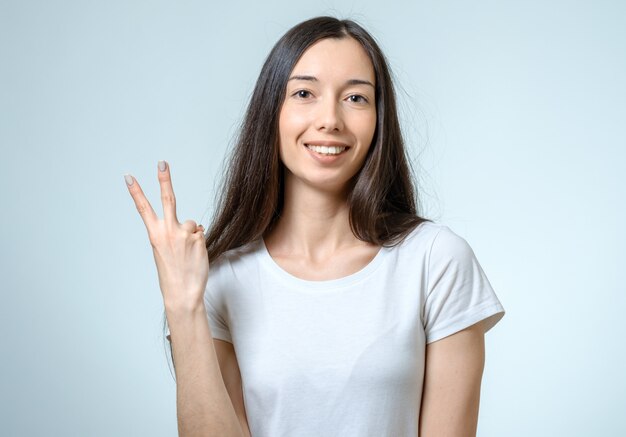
(329, 185)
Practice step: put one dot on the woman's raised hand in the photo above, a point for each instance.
(179, 249)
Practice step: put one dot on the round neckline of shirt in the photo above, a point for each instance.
(325, 285)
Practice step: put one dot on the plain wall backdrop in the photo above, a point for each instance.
(515, 114)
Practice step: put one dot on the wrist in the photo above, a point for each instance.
(184, 310)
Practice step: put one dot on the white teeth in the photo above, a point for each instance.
(326, 150)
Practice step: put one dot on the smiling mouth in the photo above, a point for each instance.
(327, 151)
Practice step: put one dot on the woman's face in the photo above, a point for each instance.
(329, 102)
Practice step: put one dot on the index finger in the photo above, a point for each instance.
(146, 212)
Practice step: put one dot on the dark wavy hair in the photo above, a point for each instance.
(383, 201)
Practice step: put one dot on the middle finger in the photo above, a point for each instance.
(167, 194)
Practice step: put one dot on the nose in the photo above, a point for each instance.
(329, 116)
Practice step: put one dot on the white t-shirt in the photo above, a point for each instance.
(345, 357)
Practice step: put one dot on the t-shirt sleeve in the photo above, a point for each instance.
(215, 299)
(216, 314)
(458, 292)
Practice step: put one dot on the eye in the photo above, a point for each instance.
(357, 98)
(302, 94)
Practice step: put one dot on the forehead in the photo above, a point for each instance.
(332, 58)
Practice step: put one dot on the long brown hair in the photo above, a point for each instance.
(383, 200)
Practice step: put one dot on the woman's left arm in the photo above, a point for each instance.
(452, 378)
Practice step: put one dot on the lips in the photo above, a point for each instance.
(330, 159)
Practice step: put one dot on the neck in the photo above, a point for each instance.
(314, 223)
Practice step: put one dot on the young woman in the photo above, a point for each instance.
(331, 308)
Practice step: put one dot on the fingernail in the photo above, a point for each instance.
(129, 179)
(161, 165)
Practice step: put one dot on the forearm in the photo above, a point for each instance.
(203, 405)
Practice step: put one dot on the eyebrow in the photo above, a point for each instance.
(348, 82)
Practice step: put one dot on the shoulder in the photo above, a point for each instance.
(451, 256)
(434, 236)
(229, 273)
(440, 247)
(237, 258)
(447, 244)
(245, 251)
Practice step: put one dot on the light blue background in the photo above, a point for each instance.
(516, 115)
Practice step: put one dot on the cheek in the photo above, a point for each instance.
(289, 131)
(367, 127)
(292, 120)
(287, 125)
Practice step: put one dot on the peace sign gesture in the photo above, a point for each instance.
(179, 249)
